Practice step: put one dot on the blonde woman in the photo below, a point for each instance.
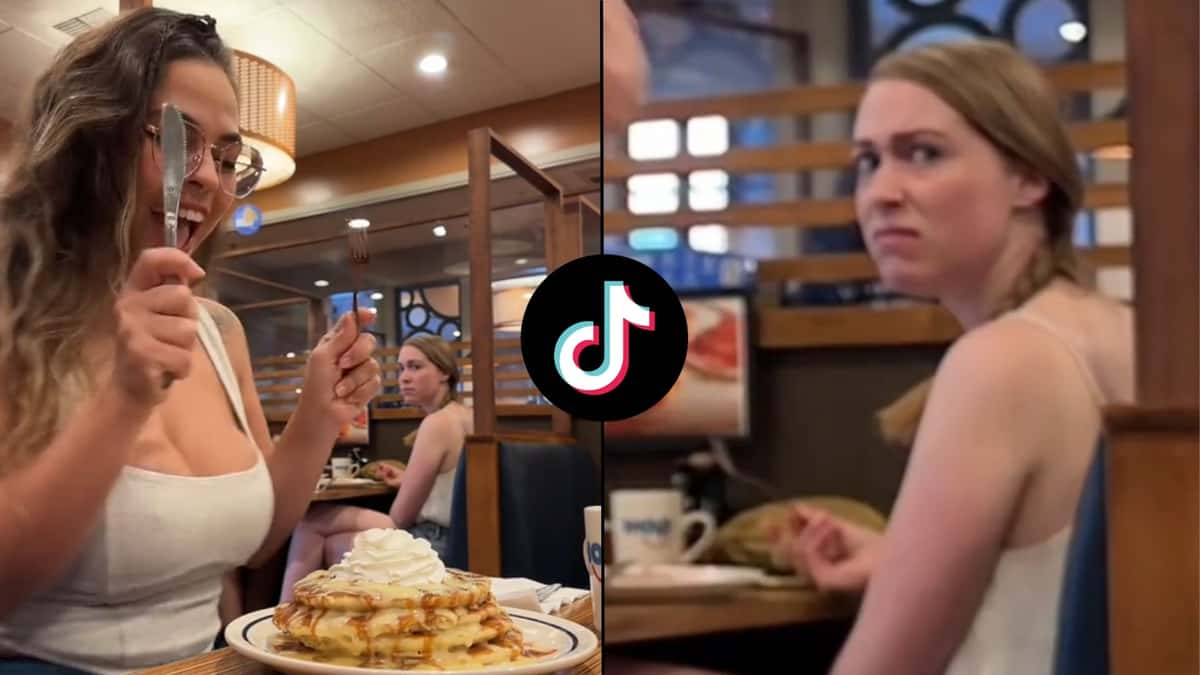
(125, 499)
(967, 193)
(429, 377)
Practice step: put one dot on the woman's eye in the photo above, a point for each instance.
(866, 162)
(924, 154)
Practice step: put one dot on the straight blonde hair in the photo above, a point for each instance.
(1005, 97)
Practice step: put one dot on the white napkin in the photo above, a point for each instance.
(521, 593)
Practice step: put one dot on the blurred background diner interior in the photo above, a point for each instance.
(361, 110)
(736, 179)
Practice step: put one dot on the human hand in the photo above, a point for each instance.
(156, 324)
(341, 376)
(625, 65)
(838, 555)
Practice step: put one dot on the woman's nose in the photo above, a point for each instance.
(205, 174)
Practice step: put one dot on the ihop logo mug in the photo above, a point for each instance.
(593, 559)
(649, 526)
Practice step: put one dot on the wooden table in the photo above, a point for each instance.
(351, 492)
(628, 622)
(228, 662)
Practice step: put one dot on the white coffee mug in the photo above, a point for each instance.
(593, 559)
(648, 526)
(342, 467)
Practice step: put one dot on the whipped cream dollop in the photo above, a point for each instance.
(390, 557)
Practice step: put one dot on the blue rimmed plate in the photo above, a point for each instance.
(251, 634)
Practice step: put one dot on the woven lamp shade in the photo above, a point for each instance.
(268, 115)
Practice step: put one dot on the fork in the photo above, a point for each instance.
(546, 591)
(360, 256)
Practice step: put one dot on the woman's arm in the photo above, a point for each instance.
(295, 462)
(49, 507)
(975, 452)
(434, 439)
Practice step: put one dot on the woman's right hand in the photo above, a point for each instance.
(156, 319)
(838, 555)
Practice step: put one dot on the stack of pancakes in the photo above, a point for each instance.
(452, 624)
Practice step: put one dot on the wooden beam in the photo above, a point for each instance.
(1165, 184)
(318, 321)
(524, 168)
(376, 228)
(268, 304)
(479, 178)
(807, 213)
(1066, 78)
(805, 327)
(483, 505)
(130, 5)
(1085, 136)
(265, 282)
(837, 267)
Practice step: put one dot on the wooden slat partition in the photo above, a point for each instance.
(821, 155)
(832, 268)
(807, 213)
(881, 323)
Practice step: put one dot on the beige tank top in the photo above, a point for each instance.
(1016, 626)
(145, 589)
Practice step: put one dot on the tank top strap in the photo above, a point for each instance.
(214, 345)
(1081, 364)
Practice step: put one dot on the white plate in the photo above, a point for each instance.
(343, 482)
(250, 634)
(679, 582)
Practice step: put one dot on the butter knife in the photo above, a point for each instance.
(174, 156)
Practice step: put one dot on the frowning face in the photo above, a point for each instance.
(421, 382)
(935, 199)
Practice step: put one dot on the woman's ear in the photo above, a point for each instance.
(1031, 189)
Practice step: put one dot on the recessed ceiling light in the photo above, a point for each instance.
(320, 283)
(522, 261)
(457, 333)
(359, 223)
(291, 355)
(377, 295)
(1073, 31)
(439, 230)
(299, 391)
(432, 64)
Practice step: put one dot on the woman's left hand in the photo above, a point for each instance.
(342, 376)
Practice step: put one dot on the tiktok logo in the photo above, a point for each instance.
(620, 312)
(602, 349)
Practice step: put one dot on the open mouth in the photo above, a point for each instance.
(190, 221)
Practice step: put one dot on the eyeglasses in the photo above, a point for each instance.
(239, 166)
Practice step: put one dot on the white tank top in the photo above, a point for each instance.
(145, 589)
(1016, 626)
(437, 506)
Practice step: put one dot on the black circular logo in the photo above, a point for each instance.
(604, 337)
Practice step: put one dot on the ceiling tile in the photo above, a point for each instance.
(302, 52)
(551, 45)
(226, 12)
(320, 137)
(472, 80)
(387, 118)
(360, 26)
(306, 117)
(353, 87)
